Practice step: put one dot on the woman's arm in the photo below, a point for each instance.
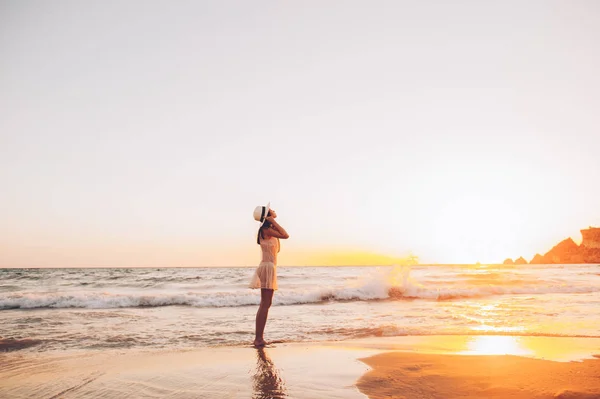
(276, 230)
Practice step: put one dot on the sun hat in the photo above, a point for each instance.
(261, 212)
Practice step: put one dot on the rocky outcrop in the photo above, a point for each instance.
(591, 238)
(590, 255)
(537, 260)
(567, 251)
(508, 261)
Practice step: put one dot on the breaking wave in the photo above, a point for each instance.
(395, 284)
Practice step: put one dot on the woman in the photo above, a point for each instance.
(265, 276)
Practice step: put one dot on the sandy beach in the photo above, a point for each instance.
(398, 367)
(401, 375)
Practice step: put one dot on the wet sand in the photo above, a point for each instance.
(402, 375)
(284, 371)
(399, 367)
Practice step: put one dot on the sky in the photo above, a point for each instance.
(144, 133)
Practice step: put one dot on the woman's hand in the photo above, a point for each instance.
(275, 230)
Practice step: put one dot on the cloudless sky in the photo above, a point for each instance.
(144, 133)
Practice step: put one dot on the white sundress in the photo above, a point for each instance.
(265, 275)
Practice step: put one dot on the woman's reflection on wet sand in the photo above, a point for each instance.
(267, 382)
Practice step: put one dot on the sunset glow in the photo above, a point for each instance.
(369, 155)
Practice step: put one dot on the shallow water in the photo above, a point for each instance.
(55, 309)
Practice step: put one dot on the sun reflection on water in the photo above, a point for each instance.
(549, 348)
(495, 345)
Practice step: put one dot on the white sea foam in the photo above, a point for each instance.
(388, 284)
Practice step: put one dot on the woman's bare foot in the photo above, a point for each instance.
(259, 343)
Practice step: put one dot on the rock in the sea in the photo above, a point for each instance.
(520, 261)
(590, 255)
(565, 251)
(591, 238)
(508, 261)
(537, 260)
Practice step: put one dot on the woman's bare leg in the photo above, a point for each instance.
(266, 297)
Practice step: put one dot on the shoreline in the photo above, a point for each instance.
(358, 368)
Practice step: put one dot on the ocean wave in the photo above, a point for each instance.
(404, 331)
(105, 300)
(376, 285)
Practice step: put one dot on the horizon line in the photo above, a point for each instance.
(251, 266)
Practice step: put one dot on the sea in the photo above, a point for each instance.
(45, 310)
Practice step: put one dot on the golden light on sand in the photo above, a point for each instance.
(570, 348)
(561, 349)
(495, 345)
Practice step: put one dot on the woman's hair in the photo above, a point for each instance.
(265, 225)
